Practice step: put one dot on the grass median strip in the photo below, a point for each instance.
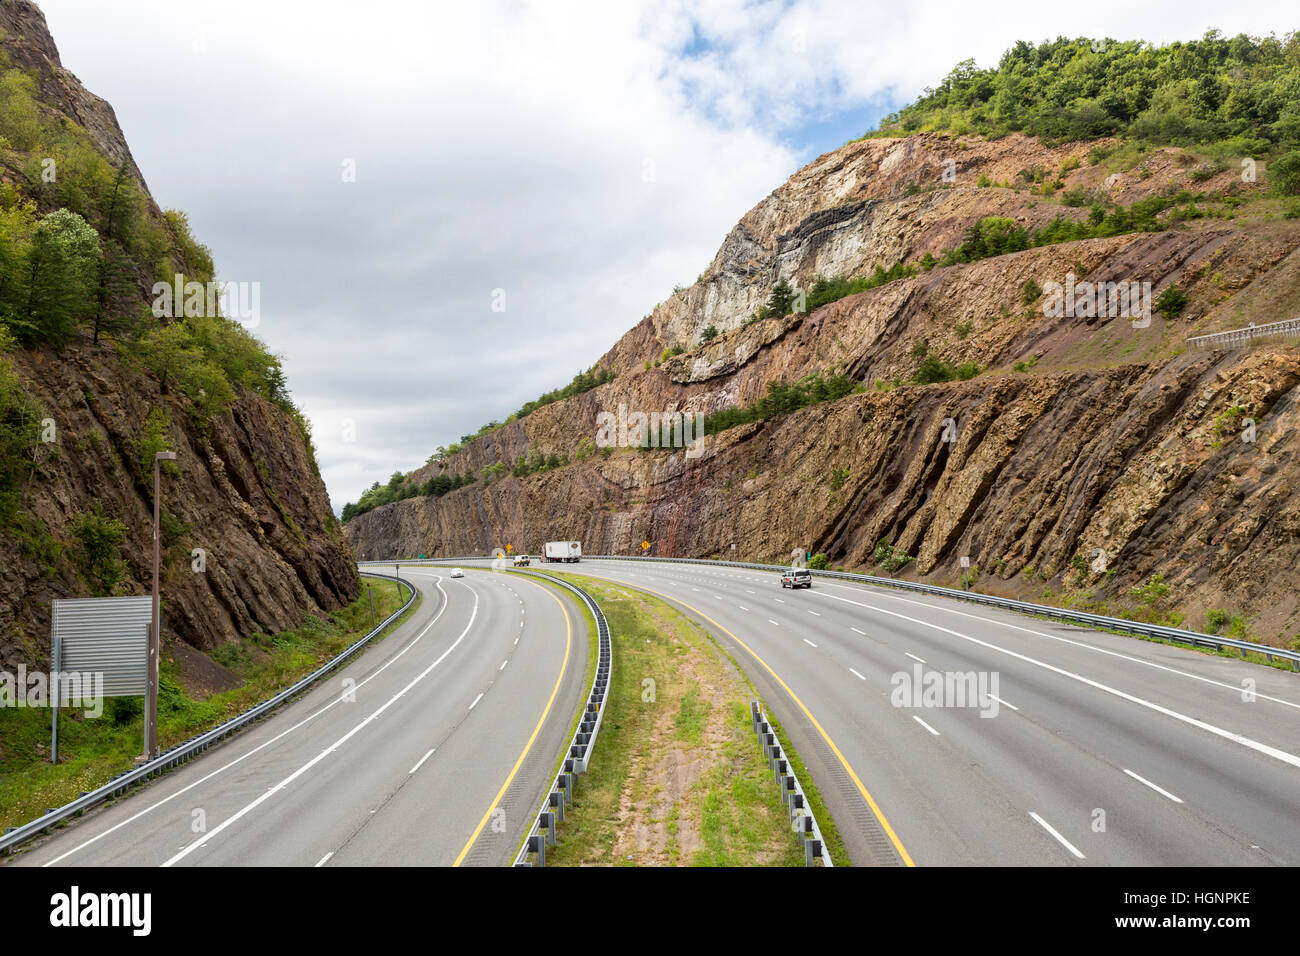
(92, 750)
(678, 777)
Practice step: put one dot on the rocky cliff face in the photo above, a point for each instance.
(1087, 442)
(25, 39)
(250, 542)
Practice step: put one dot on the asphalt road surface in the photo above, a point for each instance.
(435, 747)
(1091, 749)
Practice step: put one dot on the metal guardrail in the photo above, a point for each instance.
(802, 821)
(1064, 615)
(543, 831)
(560, 794)
(1234, 338)
(178, 754)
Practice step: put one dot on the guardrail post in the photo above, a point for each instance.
(805, 829)
(812, 849)
(537, 844)
(557, 801)
(547, 822)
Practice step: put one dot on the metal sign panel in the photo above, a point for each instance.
(108, 636)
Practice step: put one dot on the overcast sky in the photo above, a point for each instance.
(582, 158)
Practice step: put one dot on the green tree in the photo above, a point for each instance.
(100, 542)
(1171, 302)
(120, 207)
(117, 299)
(20, 426)
(17, 222)
(61, 272)
(166, 351)
(781, 302)
(20, 117)
(194, 256)
(1285, 174)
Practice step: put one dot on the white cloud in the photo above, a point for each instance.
(500, 145)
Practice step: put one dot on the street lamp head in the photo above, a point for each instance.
(165, 456)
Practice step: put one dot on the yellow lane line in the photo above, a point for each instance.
(866, 795)
(568, 635)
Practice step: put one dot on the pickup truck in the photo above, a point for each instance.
(796, 578)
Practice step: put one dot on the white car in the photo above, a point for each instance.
(457, 573)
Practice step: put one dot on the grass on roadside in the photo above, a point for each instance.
(677, 776)
(93, 750)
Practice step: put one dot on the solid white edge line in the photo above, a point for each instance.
(1060, 839)
(437, 583)
(203, 841)
(1160, 790)
(878, 591)
(1266, 749)
(938, 606)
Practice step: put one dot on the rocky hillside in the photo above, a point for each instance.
(92, 384)
(1070, 455)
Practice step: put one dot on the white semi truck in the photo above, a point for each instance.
(568, 551)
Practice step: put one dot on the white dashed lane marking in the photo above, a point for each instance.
(925, 725)
(1160, 790)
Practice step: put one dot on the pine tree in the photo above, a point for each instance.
(62, 269)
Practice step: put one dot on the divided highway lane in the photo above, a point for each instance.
(1103, 750)
(433, 749)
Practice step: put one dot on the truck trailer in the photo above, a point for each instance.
(567, 551)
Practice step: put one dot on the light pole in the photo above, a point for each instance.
(155, 642)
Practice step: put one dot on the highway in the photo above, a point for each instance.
(435, 747)
(1098, 750)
